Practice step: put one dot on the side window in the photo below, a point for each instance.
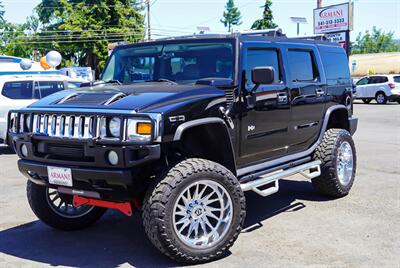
(18, 90)
(260, 58)
(46, 88)
(378, 79)
(362, 82)
(396, 79)
(336, 67)
(302, 66)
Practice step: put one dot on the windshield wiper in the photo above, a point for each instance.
(100, 82)
(163, 80)
(113, 82)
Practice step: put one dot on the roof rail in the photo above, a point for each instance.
(320, 37)
(277, 32)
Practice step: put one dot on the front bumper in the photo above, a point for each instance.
(91, 171)
(109, 184)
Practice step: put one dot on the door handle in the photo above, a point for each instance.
(319, 91)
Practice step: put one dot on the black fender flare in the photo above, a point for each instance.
(207, 121)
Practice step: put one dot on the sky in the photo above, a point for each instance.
(180, 17)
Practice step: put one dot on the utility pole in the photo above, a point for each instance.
(319, 3)
(148, 20)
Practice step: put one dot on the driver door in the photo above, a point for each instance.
(264, 128)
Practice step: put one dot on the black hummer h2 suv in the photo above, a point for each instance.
(180, 128)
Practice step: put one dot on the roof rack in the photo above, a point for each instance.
(320, 37)
(277, 32)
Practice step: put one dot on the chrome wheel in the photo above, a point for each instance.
(202, 214)
(61, 204)
(345, 163)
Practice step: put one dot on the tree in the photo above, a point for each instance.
(267, 21)
(231, 16)
(374, 42)
(2, 20)
(82, 29)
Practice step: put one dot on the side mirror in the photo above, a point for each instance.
(263, 75)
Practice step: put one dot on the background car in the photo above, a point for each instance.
(381, 88)
(18, 91)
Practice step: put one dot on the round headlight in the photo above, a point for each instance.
(115, 127)
(24, 150)
(112, 158)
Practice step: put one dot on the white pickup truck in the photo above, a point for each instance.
(381, 88)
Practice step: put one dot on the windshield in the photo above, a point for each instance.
(179, 62)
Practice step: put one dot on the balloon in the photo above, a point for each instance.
(53, 58)
(44, 64)
(25, 64)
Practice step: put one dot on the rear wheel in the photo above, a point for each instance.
(196, 212)
(56, 209)
(366, 101)
(338, 156)
(381, 98)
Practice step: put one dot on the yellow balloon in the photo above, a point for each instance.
(44, 64)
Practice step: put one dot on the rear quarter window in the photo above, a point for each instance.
(378, 79)
(20, 90)
(336, 67)
(302, 66)
(396, 79)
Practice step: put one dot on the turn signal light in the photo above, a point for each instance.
(144, 128)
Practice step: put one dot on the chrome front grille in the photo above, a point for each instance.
(69, 126)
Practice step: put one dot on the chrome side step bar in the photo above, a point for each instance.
(309, 170)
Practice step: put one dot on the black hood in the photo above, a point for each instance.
(142, 97)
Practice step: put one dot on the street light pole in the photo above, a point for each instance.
(148, 20)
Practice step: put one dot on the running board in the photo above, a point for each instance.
(309, 170)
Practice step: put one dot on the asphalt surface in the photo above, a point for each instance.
(293, 228)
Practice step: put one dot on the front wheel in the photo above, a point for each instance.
(56, 209)
(195, 213)
(338, 156)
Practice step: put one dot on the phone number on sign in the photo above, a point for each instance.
(330, 22)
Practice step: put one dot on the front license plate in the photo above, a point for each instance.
(60, 176)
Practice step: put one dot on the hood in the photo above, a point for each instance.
(143, 97)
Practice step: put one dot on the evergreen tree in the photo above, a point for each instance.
(267, 21)
(2, 20)
(231, 16)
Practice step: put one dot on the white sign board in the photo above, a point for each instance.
(337, 38)
(333, 19)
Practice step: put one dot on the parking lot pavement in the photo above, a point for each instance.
(293, 228)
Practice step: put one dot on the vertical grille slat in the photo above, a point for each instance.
(46, 125)
(71, 126)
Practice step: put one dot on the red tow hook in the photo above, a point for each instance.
(124, 207)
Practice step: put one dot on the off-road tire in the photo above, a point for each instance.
(328, 182)
(160, 199)
(367, 101)
(381, 98)
(37, 200)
